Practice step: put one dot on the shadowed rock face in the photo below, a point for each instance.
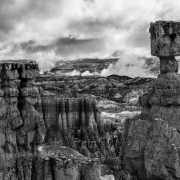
(30, 118)
(151, 143)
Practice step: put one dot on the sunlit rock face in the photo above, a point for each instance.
(151, 142)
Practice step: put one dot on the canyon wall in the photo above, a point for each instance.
(33, 121)
(77, 123)
(22, 127)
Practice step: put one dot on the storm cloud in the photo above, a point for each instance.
(51, 30)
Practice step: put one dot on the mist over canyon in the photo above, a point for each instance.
(141, 66)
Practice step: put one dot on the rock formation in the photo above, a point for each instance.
(163, 101)
(60, 162)
(77, 123)
(152, 141)
(22, 128)
(33, 130)
(31, 117)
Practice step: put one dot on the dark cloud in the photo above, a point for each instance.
(65, 46)
(26, 45)
(21, 11)
(71, 41)
(31, 47)
(7, 15)
(70, 47)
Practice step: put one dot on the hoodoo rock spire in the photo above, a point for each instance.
(163, 101)
(152, 140)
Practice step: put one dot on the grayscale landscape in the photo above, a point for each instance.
(89, 90)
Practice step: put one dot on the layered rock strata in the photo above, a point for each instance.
(151, 142)
(77, 123)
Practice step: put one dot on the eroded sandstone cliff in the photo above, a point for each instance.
(33, 119)
(77, 123)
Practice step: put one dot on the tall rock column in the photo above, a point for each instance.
(151, 142)
(164, 100)
(10, 116)
(33, 129)
(10, 83)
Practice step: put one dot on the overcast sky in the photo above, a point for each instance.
(48, 30)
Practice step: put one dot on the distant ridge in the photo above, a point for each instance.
(92, 65)
(120, 77)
